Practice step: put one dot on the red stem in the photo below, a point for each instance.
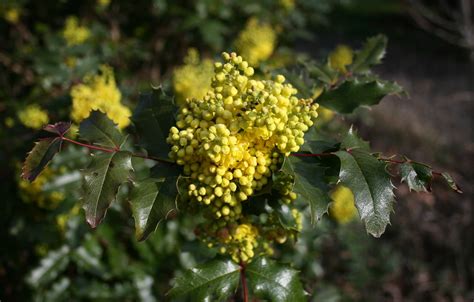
(89, 146)
(393, 161)
(245, 290)
(117, 149)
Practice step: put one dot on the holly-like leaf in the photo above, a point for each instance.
(50, 267)
(371, 54)
(153, 118)
(152, 201)
(213, 281)
(273, 282)
(353, 141)
(323, 73)
(417, 176)
(286, 218)
(309, 184)
(59, 128)
(451, 183)
(357, 92)
(101, 130)
(370, 183)
(102, 179)
(39, 157)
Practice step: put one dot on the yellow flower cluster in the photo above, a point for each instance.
(73, 33)
(230, 141)
(99, 92)
(342, 209)
(32, 116)
(32, 192)
(256, 42)
(12, 15)
(341, 57)
(103, 3)
(62, 219)
(288, 5)
(193, 79)
(242, 242)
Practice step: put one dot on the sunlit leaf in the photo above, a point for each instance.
(213, 281)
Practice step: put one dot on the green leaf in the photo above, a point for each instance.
(50, 267)
(370, 183)
(213, 281)
(357, 92)
(102, 179)
(451, 183)
(101, 130)
(273, 282)
(353, 141)
(286, 218)
(371, 54)
(153, 118)
(151, 202)
(309, 184)
(323, 73)
(417, 176)
(39, 157)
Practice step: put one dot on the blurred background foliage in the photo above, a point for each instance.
(58, 55)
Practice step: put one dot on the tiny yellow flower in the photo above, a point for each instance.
(341, 57)
(103, 3)
(33, 116)
(99, 92)
(73, 33)
(256, 42)
(342, 209)
(193, 79)
(12, 15)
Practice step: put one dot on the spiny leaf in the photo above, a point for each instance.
(50, 267)
(371, 54)
(370, 183)
(417, 176)
(309, 184)
(353, 141)
(59, 128)
(286, 218)
(152, 201)
(273, 282)
(39, 157)
(451, 183)
(101, 130)
(357, 92)
(213, 281)
(153, 118)
(323, 73)
(102, 179)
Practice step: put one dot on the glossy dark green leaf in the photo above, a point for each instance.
(322, 73)
(102, 179)
(286, 218)
(309, 184)
(355, 92)
(213, 281)
(50, 267)
(370, 183)
(371, 54)
(417, 176)
(451, 183)
(100, 130)
(152, 201)
(273, 282)
(353, 141)
(39, 157)
(153, 118)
